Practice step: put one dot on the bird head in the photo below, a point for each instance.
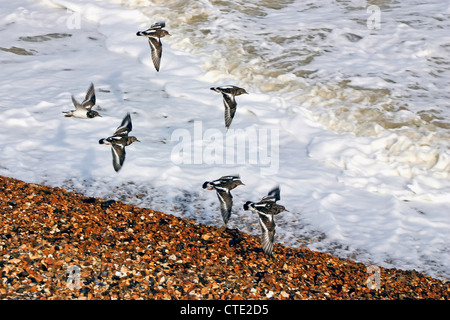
(132, 139)
(92, 114)
(238, 183)
(241, 91)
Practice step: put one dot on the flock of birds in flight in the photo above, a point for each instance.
(266, 208)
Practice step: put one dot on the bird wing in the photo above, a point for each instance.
(77, 105)
(156, 51)
(158, 25)
(230, 177)
(125, 127)
(226, 202)
(230, 108)
(89, 100)
(267, 232)
(273, 195)
(118, 156)
(228, 89)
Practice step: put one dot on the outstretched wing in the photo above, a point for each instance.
(77, 105)
(89, 100)
(226, 202)
(158, 25)
(118, 156)
(156, 51)
(230, 108)
(267, 232)
(125, 127)
(273, 195)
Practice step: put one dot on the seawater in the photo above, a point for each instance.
(376, 69)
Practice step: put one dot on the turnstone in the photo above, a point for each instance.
(223, 186)
(84, 110)
(118, 141)
(154, 35)
(229, 92)
(266, 209)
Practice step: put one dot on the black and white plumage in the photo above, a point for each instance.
(118, 141)
(154, 35)
(266, 209)
(228, 93)
(223, 186)
(84, 110)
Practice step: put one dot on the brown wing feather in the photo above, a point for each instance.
(156, 51)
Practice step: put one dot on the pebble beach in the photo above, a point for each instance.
(59, 245)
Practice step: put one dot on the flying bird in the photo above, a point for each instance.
(84, 110)
(223, 186)
(228, 93)
(266, 209)
(154, 35)
(118, 141)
